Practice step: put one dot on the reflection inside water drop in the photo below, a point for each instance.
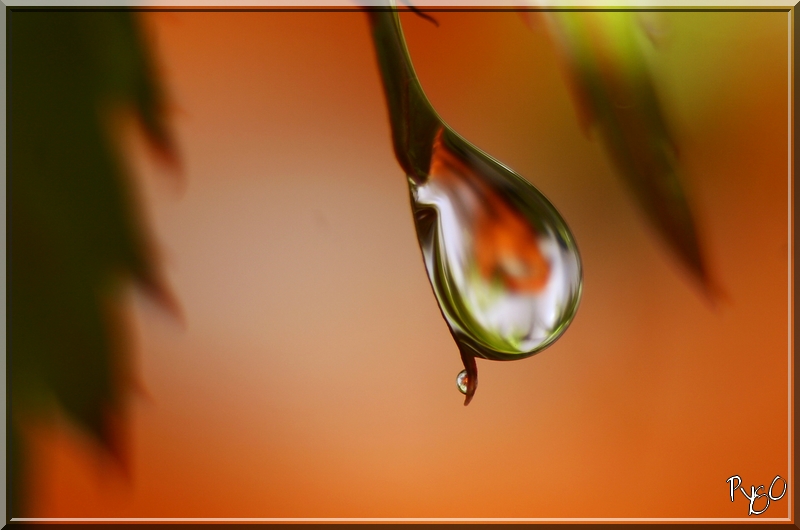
(501, 260)
(461, 381)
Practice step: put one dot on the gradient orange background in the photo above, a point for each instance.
(315, 376)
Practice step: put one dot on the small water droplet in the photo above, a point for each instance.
(461, 381)
(502, 262)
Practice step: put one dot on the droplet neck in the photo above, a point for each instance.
(414, 122)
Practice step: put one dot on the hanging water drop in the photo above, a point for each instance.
(461, 381)
(502, 262)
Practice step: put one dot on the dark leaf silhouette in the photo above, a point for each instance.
(75, 236)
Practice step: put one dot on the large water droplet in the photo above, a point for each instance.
(502, 262)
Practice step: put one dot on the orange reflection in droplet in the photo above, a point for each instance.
(505, 243)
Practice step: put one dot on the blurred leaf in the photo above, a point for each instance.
(614, 92)
(75, 236)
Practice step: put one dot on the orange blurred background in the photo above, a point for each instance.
(315, 376)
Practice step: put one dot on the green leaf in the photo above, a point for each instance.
(75, 236)
(614, 92)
